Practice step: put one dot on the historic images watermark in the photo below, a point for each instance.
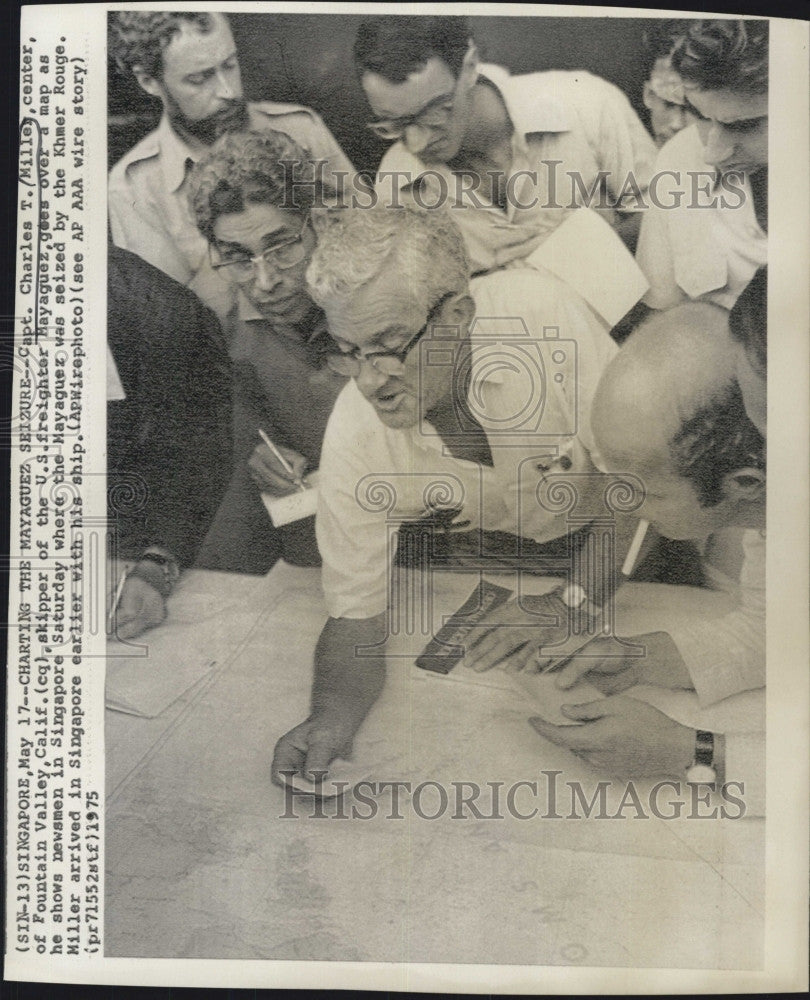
(524, 190)
(545, 798)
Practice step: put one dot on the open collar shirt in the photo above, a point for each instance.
(580, 121)
(534, 376)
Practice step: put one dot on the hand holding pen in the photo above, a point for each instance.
(276, 469)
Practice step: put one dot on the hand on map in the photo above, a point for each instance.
(140, 607)
(624, 737)
(307, 750)
(661, 665)
(509, 637)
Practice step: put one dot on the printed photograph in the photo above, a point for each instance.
(436, 456)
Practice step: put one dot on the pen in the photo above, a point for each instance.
(118, 591)
(285, 464)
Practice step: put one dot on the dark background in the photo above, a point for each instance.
(307, 59)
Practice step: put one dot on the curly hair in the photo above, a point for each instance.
(425, 247)
(724, 55)
(138, 39)
(716, 440)
(394, 46)
(249, 168)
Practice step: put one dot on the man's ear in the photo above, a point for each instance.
(469, 65)
(746, 486)
(148, 83)
(647, 94)
(459, 312)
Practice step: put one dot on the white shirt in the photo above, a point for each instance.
(373, 477)
(727, 655)
(694, 250)
(148, 202)
(576, 118)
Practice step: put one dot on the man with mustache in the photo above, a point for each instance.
(261, 233)
(189, 62)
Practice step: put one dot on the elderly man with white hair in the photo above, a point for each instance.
(483, 386)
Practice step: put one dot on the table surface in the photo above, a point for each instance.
(200, 863)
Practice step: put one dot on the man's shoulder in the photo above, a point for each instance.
(353, 417)
(355, 441)
(518, 289)
(278, 110)
(684, 151)
(398, 159)
(144, 153)
(564, 84)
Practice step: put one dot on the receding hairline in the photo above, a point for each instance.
(659, 379)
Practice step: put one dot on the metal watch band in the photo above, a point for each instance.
(704, 748)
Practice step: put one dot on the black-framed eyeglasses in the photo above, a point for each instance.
(241, 268)
(349, 363)
(437, 114)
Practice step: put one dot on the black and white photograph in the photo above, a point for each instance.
(401, 605)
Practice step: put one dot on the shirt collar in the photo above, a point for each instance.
(530, 111)
(174, 155)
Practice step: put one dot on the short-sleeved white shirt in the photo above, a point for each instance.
(709, 245)
(373, 478)
(567, 123)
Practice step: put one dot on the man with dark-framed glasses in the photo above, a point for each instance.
(189, 63)
(252, 197)
(462, 397)
(512, 154)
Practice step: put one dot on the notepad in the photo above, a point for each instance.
(294, 506)
(585, 252)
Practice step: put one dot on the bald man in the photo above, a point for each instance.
(669, 410)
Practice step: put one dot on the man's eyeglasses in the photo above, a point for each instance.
(436, 115)
(241, 267)
(349, 363)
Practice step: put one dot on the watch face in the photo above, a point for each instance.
(701, 774)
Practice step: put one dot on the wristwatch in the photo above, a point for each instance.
(169, 567)
(703, 769)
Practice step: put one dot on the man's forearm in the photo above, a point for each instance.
(348, 675)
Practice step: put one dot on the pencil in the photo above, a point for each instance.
(285, 464)
(118, 591)
(629, 564)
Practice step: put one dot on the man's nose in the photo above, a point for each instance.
(416, 138)
(265, 276)
(228, 86)
(370, 379)
(718, 145)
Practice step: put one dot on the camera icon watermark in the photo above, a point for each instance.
(506, 380)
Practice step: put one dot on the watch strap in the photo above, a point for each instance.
(704, 748)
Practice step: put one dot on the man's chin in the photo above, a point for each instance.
(396, 416)
(208, 130)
